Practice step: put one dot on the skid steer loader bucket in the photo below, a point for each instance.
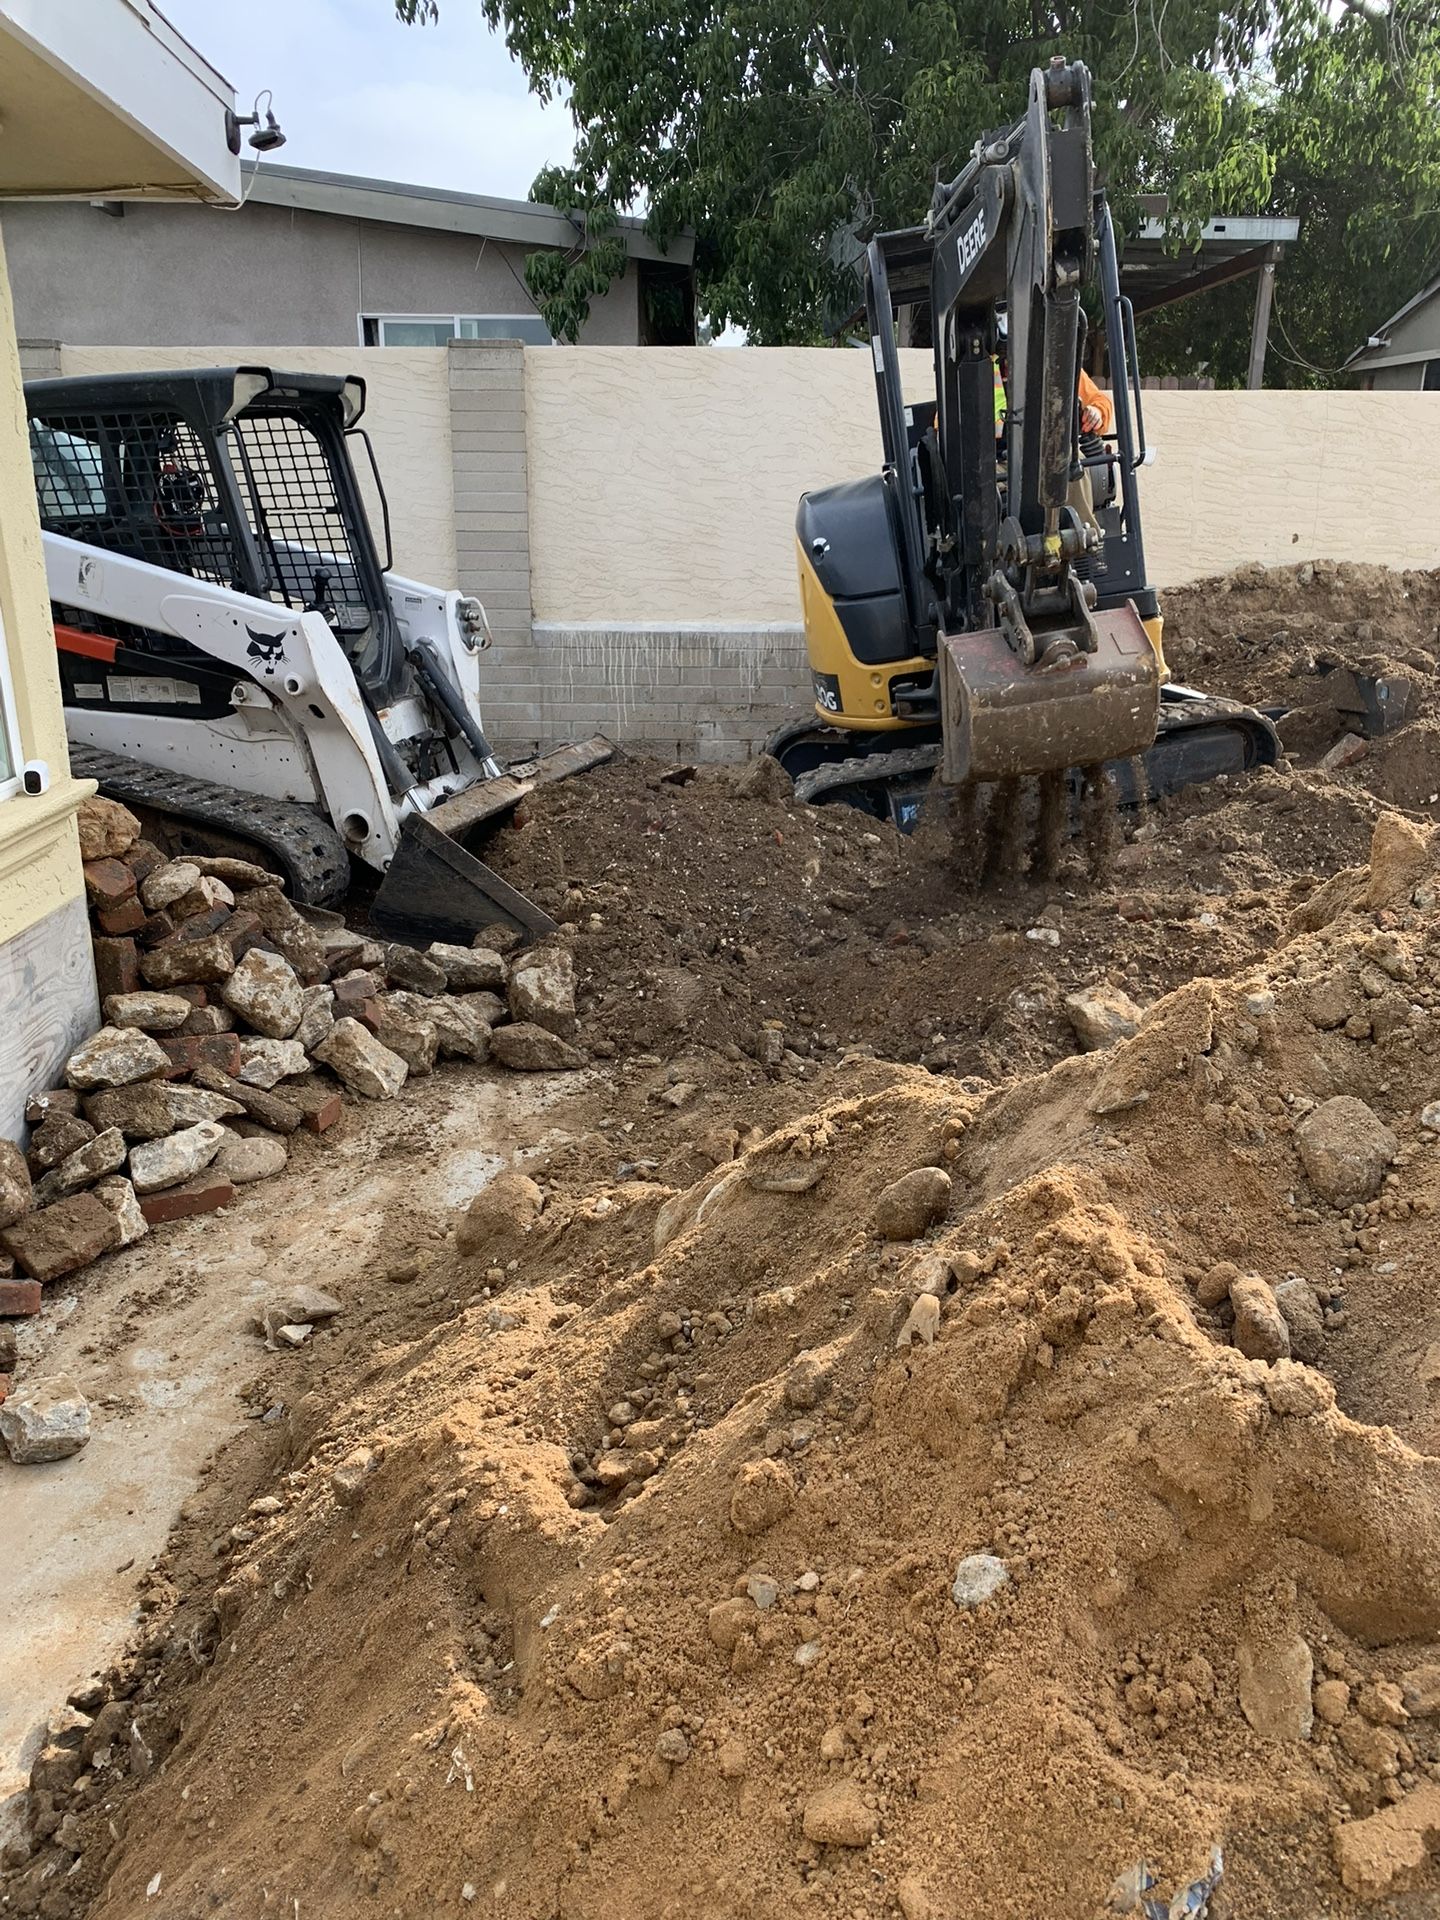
(1001, 719)
(436, 887)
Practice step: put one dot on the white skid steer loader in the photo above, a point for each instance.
(237, 658)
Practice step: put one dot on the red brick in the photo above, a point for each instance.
(4, 1388)
(128, 918)
(188, 1050)
(143, 858)
(159, 927)
(204, 1194)
(108, 883)
(243, 932)
(117, 966)
(318, 1119)
(368, 1012)
(197, 996)
(19, 1296)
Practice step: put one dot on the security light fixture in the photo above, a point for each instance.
(265, 138)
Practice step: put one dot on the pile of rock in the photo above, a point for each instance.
(226, 1007)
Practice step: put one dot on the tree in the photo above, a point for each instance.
(1352, 118)
(785, 132)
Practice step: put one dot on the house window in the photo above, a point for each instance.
(434, 330)
(1431, 382)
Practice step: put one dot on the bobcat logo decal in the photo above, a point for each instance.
(268, 649)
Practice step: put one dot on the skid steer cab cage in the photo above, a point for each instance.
(239, 476)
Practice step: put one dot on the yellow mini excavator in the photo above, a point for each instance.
(980, 609)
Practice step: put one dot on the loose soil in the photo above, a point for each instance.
(600, 1562)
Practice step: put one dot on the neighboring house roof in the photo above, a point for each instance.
(1379, 354)
(526, 221)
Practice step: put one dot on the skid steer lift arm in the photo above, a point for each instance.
(993, 553)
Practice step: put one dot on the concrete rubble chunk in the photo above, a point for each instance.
(16, 1191)
(299, 1303)
(243, 1161)
(542, 989)
(265, 1063)
(414, 1037)
(526, 1048)
(190, 1105)
(264, 992)
(978, 1578)
(1261, 1332)
(150, 1012)
(358, 1059)
(1345, 1149)
(288, 931)
(114, 1057)
(460, 1030)
(235, 873)
(107, 829)
(416, 972)
(45, 1420)
(118, 1195)
(1275, 1687)
(104, 1154)
(169, 883)
(177, 963)
(468, 969)
(55, 1140)
(348, 1480)
(317, 1016)
(280, 1112)
(165, 1163)
(912, 1204)
(58, 1240)
(1102, 1016)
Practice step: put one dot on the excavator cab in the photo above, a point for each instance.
(980, 608)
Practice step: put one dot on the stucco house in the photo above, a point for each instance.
(97, 98)
(324, 260)
(1404, 352)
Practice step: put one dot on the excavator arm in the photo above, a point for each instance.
(994, 556)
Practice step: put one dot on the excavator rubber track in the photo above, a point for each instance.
(1199, 738)
(289, 837)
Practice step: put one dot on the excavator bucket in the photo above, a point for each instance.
(1001, 719)
(437, 888)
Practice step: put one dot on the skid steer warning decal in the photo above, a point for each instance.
(268, 649)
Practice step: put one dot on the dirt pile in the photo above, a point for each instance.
(738, 1554)
(1293, 637)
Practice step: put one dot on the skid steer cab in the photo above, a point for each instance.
(238, 656)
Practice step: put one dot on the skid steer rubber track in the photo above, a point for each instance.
(289, 837)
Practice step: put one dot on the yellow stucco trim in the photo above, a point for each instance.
(39, 845)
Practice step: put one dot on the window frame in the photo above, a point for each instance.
(452, 320)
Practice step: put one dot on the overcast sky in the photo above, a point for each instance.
(441, 106)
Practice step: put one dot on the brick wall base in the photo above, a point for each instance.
(706, 692)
